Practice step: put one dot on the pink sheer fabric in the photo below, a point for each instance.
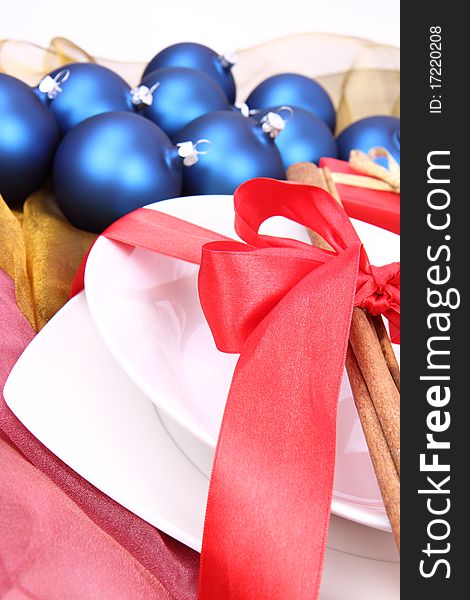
(50, 549)
(60, 536)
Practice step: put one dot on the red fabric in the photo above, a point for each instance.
(361, 203)
(286, 306)
(50, 549)
(48, 541)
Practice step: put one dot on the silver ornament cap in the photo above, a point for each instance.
(227, 60)
(142, 95)
(190, 152)
(243, 108)
(272, 124)
(51, 86)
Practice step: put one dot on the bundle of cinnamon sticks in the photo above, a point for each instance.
(373, 373)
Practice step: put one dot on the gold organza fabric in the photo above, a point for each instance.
(41, 251)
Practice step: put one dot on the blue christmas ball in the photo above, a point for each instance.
(197, 56)
(238, 150)
(84, 90)
(28, 138)
(369, 132)
(179, 96)
(304, 138)
(112, 164)
(294, 90)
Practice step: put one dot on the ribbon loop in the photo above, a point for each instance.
(240, 284)
(307, 205)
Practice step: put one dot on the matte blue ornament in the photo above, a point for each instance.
(238, 150)
(28, 138)
(369, 132)
(176, 96)
(304, 136)
(292, 89)
(112, 164)
(197, 56)
(78, 91)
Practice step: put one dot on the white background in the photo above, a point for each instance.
(137, 29)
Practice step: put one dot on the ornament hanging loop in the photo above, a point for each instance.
(190, 152)
(51, 86)
(286, 113)
(142, 95)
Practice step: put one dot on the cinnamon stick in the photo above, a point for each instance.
(384, 467)
(382, 388)
(373, 386)
(387, 348)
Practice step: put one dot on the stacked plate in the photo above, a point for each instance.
(126, 386)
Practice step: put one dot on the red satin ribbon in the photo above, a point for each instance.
(286, 306)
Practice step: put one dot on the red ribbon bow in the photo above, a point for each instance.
(240, 283)
(286, 306)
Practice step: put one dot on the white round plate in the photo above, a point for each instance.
(147, 311)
